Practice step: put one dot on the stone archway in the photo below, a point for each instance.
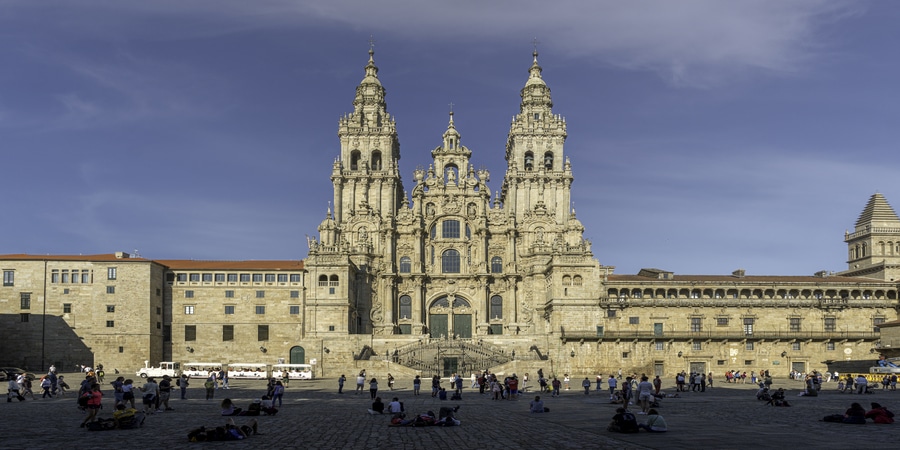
(450, 316)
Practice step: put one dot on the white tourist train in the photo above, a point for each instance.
(248, 371)
(294, 371)
(200, 369)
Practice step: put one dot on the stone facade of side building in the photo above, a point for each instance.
(450, 277)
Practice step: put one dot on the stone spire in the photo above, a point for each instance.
(877, 213)
(536, 93)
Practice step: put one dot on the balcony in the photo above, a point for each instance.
(732, 335)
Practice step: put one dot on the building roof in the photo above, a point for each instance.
(747, 279)
(106, 257)
(190, 264)
(877, 213)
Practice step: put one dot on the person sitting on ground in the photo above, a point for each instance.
(655, 422)
(377, 406)
(855, 414)
(623, 422)
(229, 432)
(127, 417)
(778, 398)
(395, 406)
(228, 409)
(537, 405)
(268, 407)
(880, 414)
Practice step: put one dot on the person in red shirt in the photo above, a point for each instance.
(94, 399)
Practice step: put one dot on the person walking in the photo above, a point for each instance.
(645, 394)
(341, 381)
(183, 383)
(613, 384)
(94, 403)
(417, 385)
(278, 393)
(586, 384)
(360, 382)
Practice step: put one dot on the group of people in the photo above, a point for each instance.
(856, 414)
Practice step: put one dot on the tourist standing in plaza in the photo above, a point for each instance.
(165, 391)
(278, 393)
(586, 384)
(118, 393)
(657, 385)
(150, 392)
(360, 382)
(861, 384)
(391, 381)
(128, 392)
(417, 385)
(210, 386)
(435, 385)
(566, 381)
(341, 381)
(556, 386)
(613, 384)
(183, 383)
(373, 387)
(645, 393)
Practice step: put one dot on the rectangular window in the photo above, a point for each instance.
(229, 309)
(75, 277)
(188, 294)
(794, 325)
(295, 294)
(85, 277)
(405, 328)
(599, 331)
(257, 277)
(220, 278)
(54, 277)
(748, 362)
(876, 321)
(227, 332)
(625, 355)
(260, 309)
(65, 276)
(720, 362)
(260, 294)
(262, 332)
(25, 300)
(229, 294)
(158, 310)
(67, 308)
(748, 346)
(829, 346)
(207, 277)
(696, 324)
(282, 278)
(795, 346)
(167, 333)
(65, 291)
(450, 229)
(111, 273)
(721, 321)
(110, 289)
(295, 278)
(24, 317)
(495, 329)
(660, 346)
(330, 327)
(270, 278)
(110, 308)
(195, 277)
(110, 323)
(232, 277)
(697, 346)
(611, 313)
(634, 320)
(830, 324)
(331, 290)
(9, 278)
(294, 310)
(181, 277)
(748, 326)
(245, 278)
(189, 309)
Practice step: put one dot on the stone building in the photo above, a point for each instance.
(449, 276)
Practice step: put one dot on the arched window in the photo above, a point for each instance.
(496, 307)
(548, 160)
(405, 307)
(496, 264)
(529, 161)
(567, 281)
(323, 280)
(405, 264)
(354, 160)
(376, 160)
(450, 261)
(333, 280)
(450, 229)
(577, 280)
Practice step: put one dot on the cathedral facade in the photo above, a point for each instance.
(446, 276)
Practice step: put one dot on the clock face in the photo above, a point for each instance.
(847, 351)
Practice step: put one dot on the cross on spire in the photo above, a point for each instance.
(451, 107)
(535, 43)
(371, 42)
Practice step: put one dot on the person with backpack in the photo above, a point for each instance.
(623, 422)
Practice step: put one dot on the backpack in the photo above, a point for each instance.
(178, 382)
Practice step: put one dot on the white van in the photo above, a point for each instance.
(294, 371)
(200, 369)
(248, 371)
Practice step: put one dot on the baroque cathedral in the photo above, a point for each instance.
(447, 276)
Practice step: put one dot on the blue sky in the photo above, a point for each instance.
(705, 136)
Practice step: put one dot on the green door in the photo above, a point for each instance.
(462, 325)
(298, 355)
(450, 366)
(437, 326)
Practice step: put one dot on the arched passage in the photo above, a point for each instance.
(298, 355)
(450, 316)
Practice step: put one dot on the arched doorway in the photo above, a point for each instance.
(450, 316)
(298, 355)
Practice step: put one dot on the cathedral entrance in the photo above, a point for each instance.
(450, 316)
